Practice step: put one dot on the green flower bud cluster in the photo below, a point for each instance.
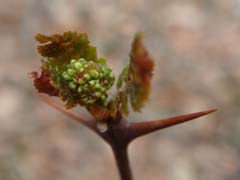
(88, 80)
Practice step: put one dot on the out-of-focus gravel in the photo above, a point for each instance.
(196, 46)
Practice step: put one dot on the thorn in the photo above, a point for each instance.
(143, 128)
(69, 113)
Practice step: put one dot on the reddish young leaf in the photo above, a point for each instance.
(66, 47)
(140, 73)
(141, 63)
(43, 83)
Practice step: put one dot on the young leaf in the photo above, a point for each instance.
(70, 45)
(137, 77)
(43, 83)
(140, 73)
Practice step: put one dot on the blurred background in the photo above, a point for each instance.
(196, 47)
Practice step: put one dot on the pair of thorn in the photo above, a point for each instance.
(119, 134)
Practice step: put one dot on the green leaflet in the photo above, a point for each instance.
(119, 103)
(124, 103)
(123, 77)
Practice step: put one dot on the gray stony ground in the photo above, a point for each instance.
(196, 46)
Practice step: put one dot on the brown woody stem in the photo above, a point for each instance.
(90, 123)
(120, 132)
(121, 157)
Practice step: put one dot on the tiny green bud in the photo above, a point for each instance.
(71, 72)
(78, 65)
(87, 76)
(85, 100)
(97, 86)
(82, 60)
(102, 89)
(103, 97)
(93, 73)
(85, 87)
(90, 62)
(79, 89)
(73, 61)
(106, 71)
(75, 80)
(92, 82)
(81, 81)
(66, 76)
(72, 85)
(98, 94)
(91, 101)
(111, 76)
